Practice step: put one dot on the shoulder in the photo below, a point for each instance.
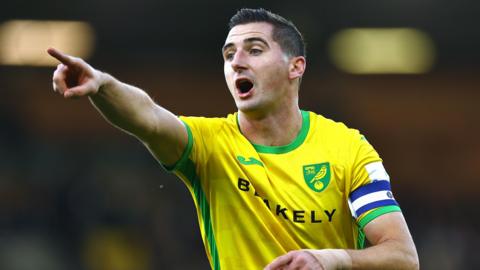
(338, 139)
(330, 129)
(209, 124)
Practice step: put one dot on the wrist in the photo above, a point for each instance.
(104, 81)
(332, 258)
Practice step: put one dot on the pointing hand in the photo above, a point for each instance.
(74, 77)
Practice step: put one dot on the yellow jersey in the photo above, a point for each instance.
(256, 202)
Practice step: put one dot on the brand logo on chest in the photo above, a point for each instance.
(249, 161)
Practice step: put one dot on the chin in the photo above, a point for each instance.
(249, 107)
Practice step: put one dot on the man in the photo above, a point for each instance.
(274, 186)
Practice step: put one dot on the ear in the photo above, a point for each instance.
(296, 67)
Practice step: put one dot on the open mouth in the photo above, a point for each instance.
(244, 85)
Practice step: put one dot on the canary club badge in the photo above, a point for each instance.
(317, 176)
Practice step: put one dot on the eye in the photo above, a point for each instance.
(229, 56)
(255, 51)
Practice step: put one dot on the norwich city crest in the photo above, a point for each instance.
(317, 176)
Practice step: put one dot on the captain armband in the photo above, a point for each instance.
(371, 196)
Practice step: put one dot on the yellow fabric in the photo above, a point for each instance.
(258, 205)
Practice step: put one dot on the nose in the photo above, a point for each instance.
(239, 62)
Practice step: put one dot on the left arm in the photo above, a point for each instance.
(392, 248)
(392, 245)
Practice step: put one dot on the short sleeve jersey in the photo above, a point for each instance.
(256, 202)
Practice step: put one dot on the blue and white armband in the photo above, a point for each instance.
(376, 194)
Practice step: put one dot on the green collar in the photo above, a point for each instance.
(282, 149)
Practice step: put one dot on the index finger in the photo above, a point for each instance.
(65, 59)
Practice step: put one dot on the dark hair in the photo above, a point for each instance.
(284, 31)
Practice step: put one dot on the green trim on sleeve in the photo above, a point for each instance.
(186, 152)
(190, 173)
(376, 213)
(291, 146)
(187, 167)
(361, 239)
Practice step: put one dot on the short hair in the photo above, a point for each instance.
(284, 31)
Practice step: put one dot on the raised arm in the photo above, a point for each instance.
(126, 107)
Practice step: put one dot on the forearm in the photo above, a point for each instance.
(125, 106)
(387, 255)
(390, 254)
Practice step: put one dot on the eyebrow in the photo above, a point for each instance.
(246, 41)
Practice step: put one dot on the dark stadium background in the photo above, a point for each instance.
(75, 193)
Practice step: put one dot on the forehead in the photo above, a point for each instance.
(243, 31)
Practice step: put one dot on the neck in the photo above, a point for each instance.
(271, 129)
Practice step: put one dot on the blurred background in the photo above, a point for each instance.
(75, 193)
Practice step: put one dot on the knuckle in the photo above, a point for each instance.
(56, 80)
(59, 69)
(301, 260)
(57, 87)
(56, 75)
